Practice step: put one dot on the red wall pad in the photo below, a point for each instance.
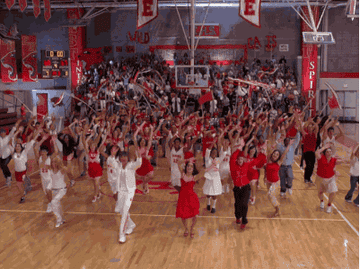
(28, 55)
(8, 61)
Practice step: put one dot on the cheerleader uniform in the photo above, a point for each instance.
(188, 204)
(45, 174)
(20, 160)
(176, 157)
(94, 169)
(272, 181)
(58, 192)
(225, 166)
(146, 166)
(112, 173)
(212, 184)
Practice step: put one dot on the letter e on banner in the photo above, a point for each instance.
(249, 10)
(147, 10)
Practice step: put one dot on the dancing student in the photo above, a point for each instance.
(112, 162)
(212, 186)
(20, 160)
(326, 175)
(354, 176)
(94, 168)
(310, 133)
(69, 145)
(188, 204)
(225, 150)
(5, 151)
(328, 135)
(44, 162)
(176, 156)
(126, 190)
(239, 170)
(275, 160)
(251, 155)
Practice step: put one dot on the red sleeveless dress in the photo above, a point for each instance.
(188, 204)
(146, 166)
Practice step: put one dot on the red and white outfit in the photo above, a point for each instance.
(176, 157)
(146, 166)
(58, 192)
(45, 174)
(326, 180)
(94, 169)
(20, 160)
(273, 181)
(225, 164)
(112, 173)
(212, 185)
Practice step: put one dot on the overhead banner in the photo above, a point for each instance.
(309, 53)
(8, 61)
(23, 5)
(29, 60)
(47, 10)
(10, 3)
(147, 10)
(37, 9)
(42, 106)
(249, 10)
(76, 46)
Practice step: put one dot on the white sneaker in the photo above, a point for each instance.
(252, 200)
(322, 205)
(58, 224)
(283, 194)
(49, 208)
(94, 199)
(289, 191)
(122, 239)
(329, 209)
(130, 230)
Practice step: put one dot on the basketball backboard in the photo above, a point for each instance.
(318, 38)
(185, 78)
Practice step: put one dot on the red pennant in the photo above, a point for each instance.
(10, 3)
(9, 92)
(37, 10)
(23, 5)
(47, 10)
(205, 98)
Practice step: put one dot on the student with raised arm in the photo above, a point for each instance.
(126, 190)
(354, 176)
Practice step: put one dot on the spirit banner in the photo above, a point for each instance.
(37, 9)
(147, 10)
(249, 10)
(29, 60)
(8, 61)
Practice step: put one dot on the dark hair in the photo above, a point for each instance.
(217, 152)
(273, 154)
(140, 139)
(177, 139)
(44, 148)
(330, 129)
(120, 154)
(195, 171)
(324, 151)
(252, 147)
(22, 148)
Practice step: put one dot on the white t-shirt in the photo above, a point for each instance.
(354, 170)
(58, 180)
(112, 168)
(45, 173)
(176, 157)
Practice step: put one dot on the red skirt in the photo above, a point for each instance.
(19, 176)
(95, 170)
(145, 168)
(188, 204)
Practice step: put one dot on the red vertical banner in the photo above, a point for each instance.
(309, 53)
(23, 5)
(8, 61)
(10, 3)
(47, 10)
(42, 106)
(76, 46)
(37, 9)
(147, 11)
(28, 58)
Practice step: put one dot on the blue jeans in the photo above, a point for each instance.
(286, 177)
(353, 181)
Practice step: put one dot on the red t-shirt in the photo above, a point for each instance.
(309, 142)
(239, 173)
(325, 168)
(272, 172)
(207, 141)
(252, 172)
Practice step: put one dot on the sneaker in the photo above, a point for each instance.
(94, 199)
(355, 204)
(289, 191)
(223, 189)
(329, 209)
(49, 208)
(208, 207)
(129, 230)
(242, 226)
(58, 224)
(348, 200)
(227, 188)
(22, 200)
(283, 194)
(213, 210)
(72, 183)
(83, 174)
(322, 205)
(122, 239)
(238, 221)
(252, 200)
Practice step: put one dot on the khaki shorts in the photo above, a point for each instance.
(326, 184)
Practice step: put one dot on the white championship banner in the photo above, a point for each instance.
(249, 10)
(147, 10)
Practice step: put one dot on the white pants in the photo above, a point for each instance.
(102, 104)
(123, 204)
(55, 203)
(46, 184)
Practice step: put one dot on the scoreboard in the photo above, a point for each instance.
(55, 63)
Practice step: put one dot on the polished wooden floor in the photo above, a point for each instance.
(304, 236)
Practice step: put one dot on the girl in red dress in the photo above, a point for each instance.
(188, 204)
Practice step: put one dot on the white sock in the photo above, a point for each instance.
(214, 203)
(209, 201)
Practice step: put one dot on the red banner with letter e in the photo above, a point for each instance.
(147, 10)
(309, 54)
(76, 46)
(249, 10)
(8, 61)
(29, 60)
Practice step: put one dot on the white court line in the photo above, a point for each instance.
(348, 222)
(173, 216)
(3, 187)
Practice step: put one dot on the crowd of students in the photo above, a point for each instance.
(235, 146)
